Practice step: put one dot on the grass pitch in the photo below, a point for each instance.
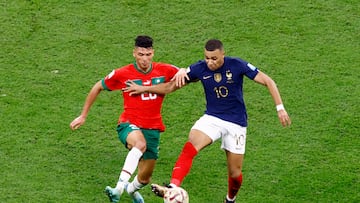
(52, 52)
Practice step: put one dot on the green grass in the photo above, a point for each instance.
(52, 52)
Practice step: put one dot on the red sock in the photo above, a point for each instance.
(183, 163)
(234, 185)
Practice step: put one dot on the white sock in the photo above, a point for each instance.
(227, 197)
(120, 185)
(172, 185)
(130, 165)
(135, 185)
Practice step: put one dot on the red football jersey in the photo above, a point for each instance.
(142, 110)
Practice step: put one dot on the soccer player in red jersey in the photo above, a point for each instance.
(225, 117)
(140, 123)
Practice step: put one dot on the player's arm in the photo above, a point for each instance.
(94, 92)
(265, 80)
(179, 80)
(181, 77)
(162, 88)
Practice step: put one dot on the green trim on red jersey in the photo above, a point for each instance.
(140, 70)
(157, 80)
(138, 82)
(104, 85)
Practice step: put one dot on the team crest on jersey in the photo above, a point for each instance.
(217, 77)
(229, 77)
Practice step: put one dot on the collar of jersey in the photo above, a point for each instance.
(140, 70)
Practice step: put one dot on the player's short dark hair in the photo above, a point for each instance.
(143, 41)
(213, 44)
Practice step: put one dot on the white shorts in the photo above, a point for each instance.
(233, 135)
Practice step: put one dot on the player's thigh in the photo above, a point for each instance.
(205, 131)
(136, 139)
(199, 139)
(145, 170)
(130, 135)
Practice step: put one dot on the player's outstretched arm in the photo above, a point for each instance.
(163, 88)
(265, 80)
(80, 120)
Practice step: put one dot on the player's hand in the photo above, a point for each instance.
(133, 88)
(284, 118)
(180, 77)
(77, 122)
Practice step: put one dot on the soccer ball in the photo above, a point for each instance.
(176, 195)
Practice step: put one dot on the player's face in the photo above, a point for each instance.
(143, 57)
(214, 59)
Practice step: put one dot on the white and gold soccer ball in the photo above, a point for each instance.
(176, 195)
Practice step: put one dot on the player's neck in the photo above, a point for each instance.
(143, 69)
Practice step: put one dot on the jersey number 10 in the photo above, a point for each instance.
(221, 91)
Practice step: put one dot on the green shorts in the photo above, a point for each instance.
(152, 138)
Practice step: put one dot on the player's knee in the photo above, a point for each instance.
(235, 173)
(141, 145)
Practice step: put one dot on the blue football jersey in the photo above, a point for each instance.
(224, 88)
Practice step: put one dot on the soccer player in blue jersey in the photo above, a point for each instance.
(225, 117)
